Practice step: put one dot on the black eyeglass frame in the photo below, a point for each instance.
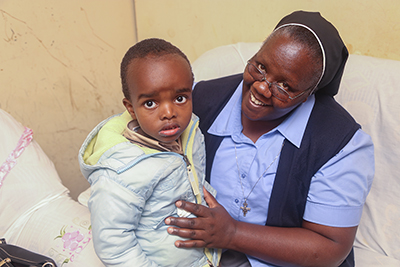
(272, 86)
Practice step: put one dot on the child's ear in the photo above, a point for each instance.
(129, 107)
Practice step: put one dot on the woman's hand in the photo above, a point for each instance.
(309, 245)
(213, 227)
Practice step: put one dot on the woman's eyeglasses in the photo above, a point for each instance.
(276, 90)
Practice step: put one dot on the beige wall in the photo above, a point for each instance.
(59, 71)
(368, 27)
(59, 59)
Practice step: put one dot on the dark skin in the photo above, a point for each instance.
(309, 245)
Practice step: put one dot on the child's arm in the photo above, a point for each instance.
(115, 213)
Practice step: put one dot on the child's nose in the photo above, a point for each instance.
(168, 112)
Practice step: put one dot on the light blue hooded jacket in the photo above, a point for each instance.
(133, 190)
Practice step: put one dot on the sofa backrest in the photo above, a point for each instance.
(370, 92)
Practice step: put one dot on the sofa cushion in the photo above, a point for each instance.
(32, 181)
(36, 211)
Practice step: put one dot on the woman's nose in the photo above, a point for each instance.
(263, 88)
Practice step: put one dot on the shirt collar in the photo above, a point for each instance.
(228, 122)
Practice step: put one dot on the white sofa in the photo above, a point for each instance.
(37, 213)
(370, 91)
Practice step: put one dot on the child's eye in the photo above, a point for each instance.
(181, 99)
(149, 104)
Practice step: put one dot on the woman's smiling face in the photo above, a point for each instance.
(285, 62)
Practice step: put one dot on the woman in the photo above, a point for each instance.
(291, 167)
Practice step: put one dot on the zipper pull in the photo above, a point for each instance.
(185, 158)
(5, 261)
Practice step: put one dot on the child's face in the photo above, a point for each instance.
(160, 95)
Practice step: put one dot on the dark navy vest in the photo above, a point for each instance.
(329, 129)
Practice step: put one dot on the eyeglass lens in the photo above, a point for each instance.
(276, 91)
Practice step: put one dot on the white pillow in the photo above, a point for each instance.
(32, 181)
(36, 210)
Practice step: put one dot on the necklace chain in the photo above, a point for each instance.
(245, 207)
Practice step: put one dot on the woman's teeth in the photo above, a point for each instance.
(256, 101)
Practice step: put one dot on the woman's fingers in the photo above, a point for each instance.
(196, 209)
(210, 199)
(213, 226)
(183, 222)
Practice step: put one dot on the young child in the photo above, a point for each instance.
(141, 162)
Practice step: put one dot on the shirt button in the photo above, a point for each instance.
(243, 175)
(236, 200)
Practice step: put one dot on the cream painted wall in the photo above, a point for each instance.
(59, 60)
(368, 27)
(59, 71)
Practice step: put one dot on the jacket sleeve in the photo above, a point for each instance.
(115, 214)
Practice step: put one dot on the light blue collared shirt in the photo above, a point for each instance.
(337, 191)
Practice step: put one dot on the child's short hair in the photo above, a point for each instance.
(148, 47)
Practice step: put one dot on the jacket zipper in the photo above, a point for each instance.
(195, 186)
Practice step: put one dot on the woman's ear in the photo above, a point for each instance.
(129, 107)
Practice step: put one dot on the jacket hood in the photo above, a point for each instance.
(107, 137)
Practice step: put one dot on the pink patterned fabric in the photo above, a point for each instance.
(11, 161)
